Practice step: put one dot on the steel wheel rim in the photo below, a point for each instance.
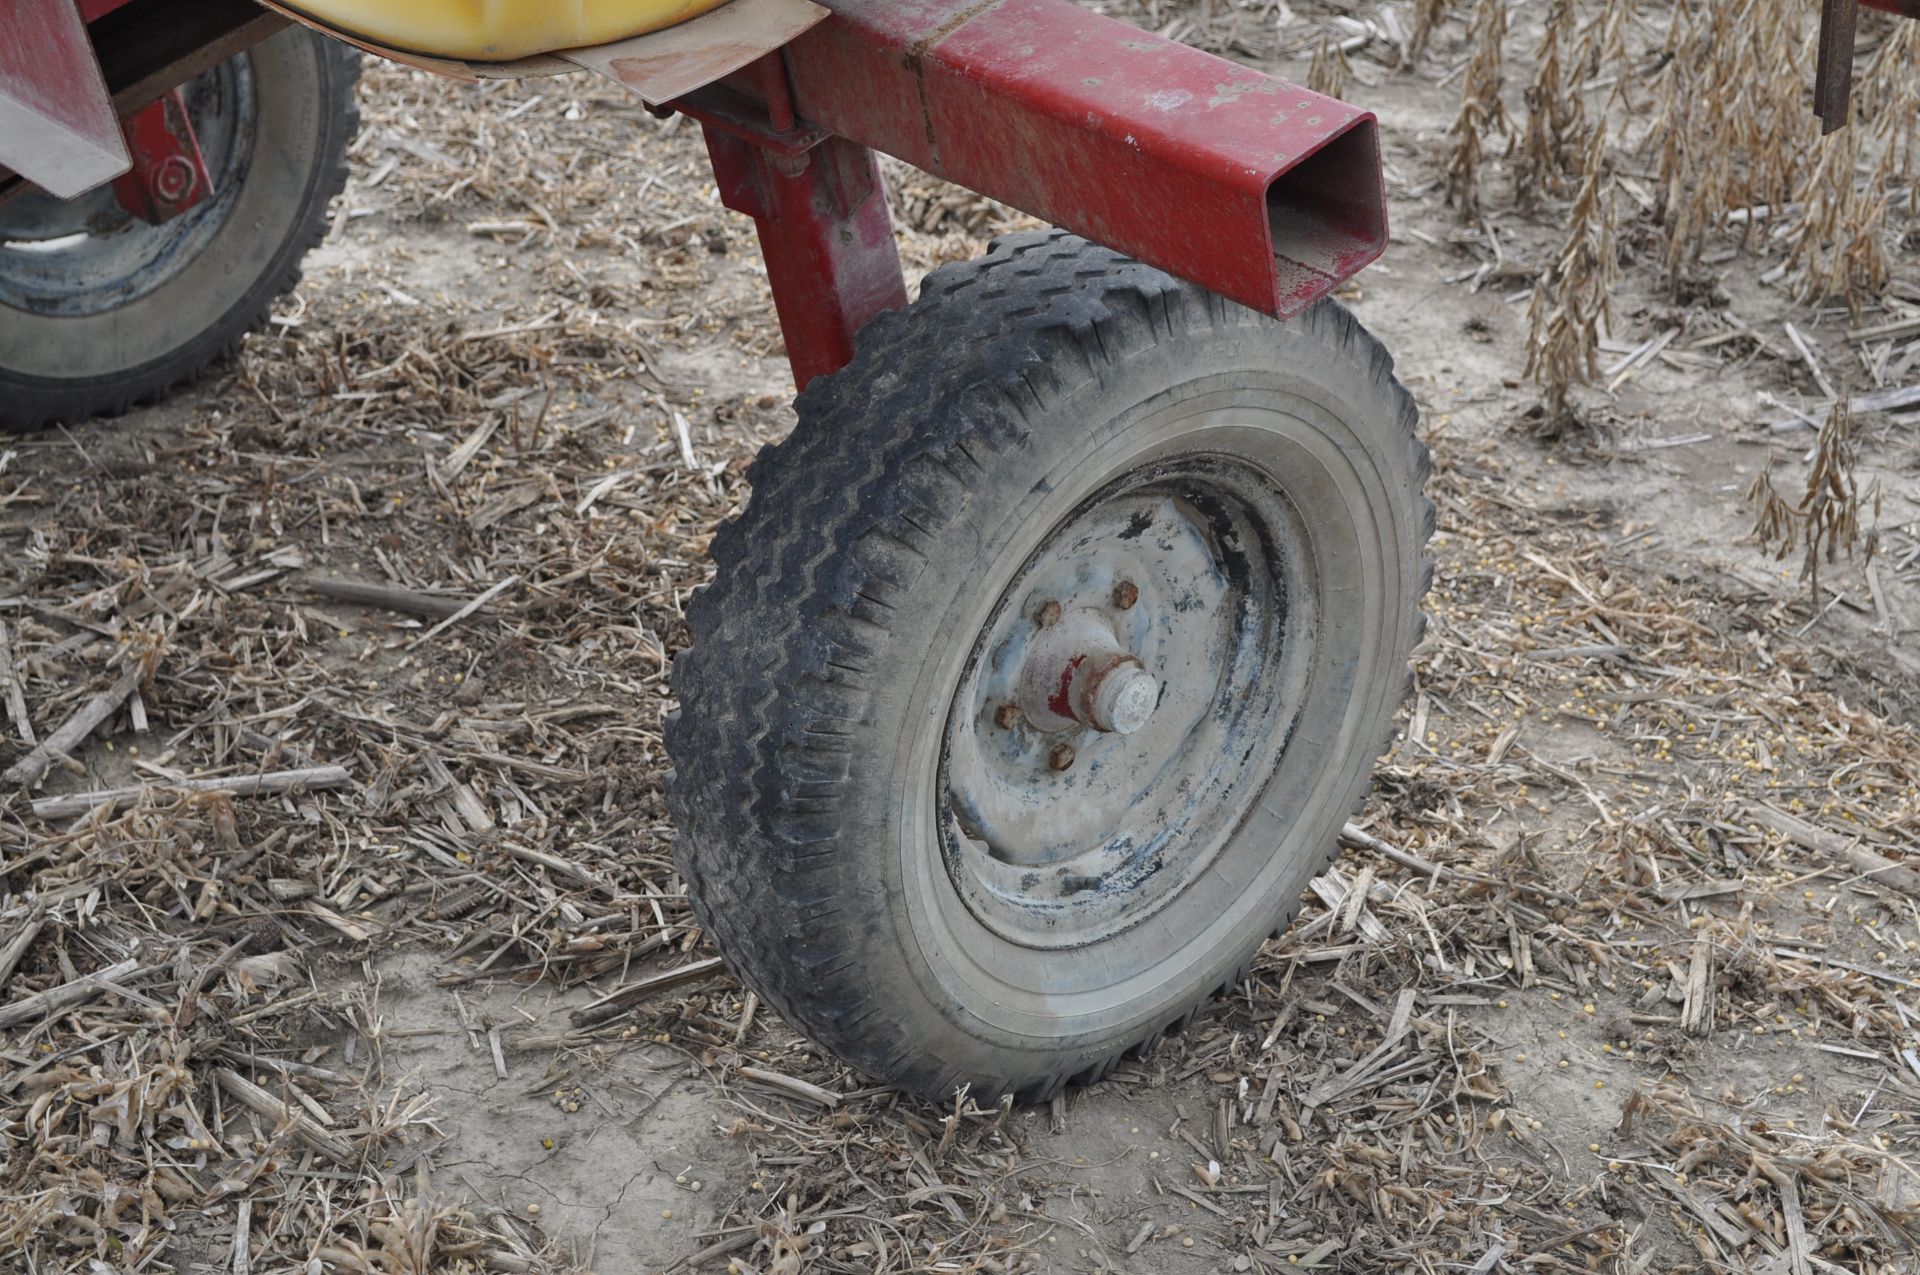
(1224, 619)
(86, 256)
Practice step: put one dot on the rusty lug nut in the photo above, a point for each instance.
(1048, 615)
(1007, 716)
(1061, 758)
(1125, 594)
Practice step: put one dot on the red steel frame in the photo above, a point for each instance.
(1245, 184)
(1255, 188)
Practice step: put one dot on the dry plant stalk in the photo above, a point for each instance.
(1549, 144)
(1827, 517)
(1776, 523)
(1481, 108)
(1730, 125)
(1839, 242)
(1573, 301)
(1428, 15)
(1889, 103)
(1886, 106)
(1329, 71)
(1603, 42)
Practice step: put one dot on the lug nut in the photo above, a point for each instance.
(1125, 594)
(1007, 716)
(1061, 758)
(1048, 615)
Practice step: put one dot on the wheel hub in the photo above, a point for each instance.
(1078, 674)
(1118, 703)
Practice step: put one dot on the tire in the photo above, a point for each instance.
(927, 894)
(134, 311)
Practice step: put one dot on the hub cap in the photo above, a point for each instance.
(1127, 698)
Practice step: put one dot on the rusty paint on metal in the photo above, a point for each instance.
(1247, 185)
(1061, 698)
(825, 234)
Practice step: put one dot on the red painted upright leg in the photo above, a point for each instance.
(825, 233)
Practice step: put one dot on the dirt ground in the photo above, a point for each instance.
(1626, 1000)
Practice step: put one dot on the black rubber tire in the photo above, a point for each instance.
(826, 610)
(120, 358)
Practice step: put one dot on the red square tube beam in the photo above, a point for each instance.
(57, 124)
(1252, 187)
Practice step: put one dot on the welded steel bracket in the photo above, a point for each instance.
(58, 127)
(1249, 186)
(144, 52)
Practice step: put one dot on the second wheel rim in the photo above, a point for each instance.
(86, 256)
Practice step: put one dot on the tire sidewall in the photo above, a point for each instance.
(1138, 385)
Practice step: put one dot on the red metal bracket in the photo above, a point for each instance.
(820, 207)
(723, 110)
(143, 51)
(169, 174)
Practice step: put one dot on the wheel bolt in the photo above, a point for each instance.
(1049, 614)
(1007, 716)
(1125, 594)
(1061, 758)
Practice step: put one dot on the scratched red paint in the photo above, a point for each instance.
(1061, 701)
(1172, 155)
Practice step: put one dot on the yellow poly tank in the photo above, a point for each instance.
(498, 30)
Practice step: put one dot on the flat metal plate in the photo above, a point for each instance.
(451, 68)
(672, 63)
(57, 125)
